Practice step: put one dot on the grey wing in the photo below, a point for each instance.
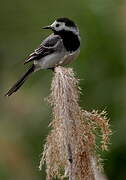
(47, 47)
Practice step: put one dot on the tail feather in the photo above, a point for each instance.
(20, 82)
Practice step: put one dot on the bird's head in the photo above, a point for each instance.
(63, 24)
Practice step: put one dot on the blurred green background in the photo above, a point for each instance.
(101, 66)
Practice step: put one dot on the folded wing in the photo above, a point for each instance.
(48, 46)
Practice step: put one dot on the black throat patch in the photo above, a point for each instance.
(70, 40)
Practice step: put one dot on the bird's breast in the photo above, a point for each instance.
(69, 57)
(71, 40)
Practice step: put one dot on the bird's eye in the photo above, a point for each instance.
(57, 25)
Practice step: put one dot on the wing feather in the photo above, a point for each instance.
(47, 47)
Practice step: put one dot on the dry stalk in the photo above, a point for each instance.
(71, 145)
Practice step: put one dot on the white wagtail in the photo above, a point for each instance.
(58, 49)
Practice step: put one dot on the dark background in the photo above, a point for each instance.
(101, 66)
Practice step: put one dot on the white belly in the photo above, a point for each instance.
(69, 58)
(55, 59)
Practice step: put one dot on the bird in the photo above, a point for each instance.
(58, 49)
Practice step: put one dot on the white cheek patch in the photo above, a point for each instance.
(64, 27)
(61, 25)
(74, 30)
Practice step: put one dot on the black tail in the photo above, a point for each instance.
(20, 82)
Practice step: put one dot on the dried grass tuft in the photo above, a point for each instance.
(71, 145)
